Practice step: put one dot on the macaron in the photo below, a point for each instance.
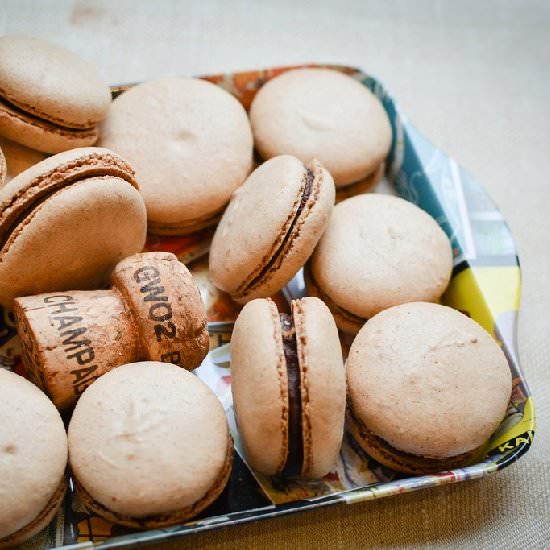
(50, 99)
(322, 114)
(270, 227)
(17, 158)
(191, 145)
(33, 458)
(378, 251)
(427, 387)
(149, 446)
(66, 221)
(289, 389)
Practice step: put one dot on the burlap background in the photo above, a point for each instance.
(475, 78)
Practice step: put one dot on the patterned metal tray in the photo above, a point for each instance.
(485, 285)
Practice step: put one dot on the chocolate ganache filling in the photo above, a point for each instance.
(295, 457)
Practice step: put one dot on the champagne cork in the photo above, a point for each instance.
(153, 311)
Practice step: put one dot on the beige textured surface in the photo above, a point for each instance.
(473, 76)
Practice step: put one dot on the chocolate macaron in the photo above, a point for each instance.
(66, 221)
(378, 251)
(191, 145)
(327, 115)
(288, 385)
(270, 227)
(50, 99)
(149, 446)
(427, 387)
(33, 458)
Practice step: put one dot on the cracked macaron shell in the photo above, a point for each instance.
(191, 145)
(379, 251)
(428, 380)
(148, 439)
(65, 223)
(322, 114)
(256, 223)
(260, 385)
(33, 456)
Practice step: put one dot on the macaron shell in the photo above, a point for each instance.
(190, 142)
(403, 462)
(18, 157)
(379, 251)
(40, 522)
(259, 384)
(322, 114)
(148, 439)
(323, 385)
(344, 320)
(42, 135)
(51, 82)
(33, 454)
(163, 520)
(361, 187)
(256, 221)
(56, 172)
(185, 227)
(102, 221)
(255, 217)
(428, 380)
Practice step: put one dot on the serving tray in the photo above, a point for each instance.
(485, 285)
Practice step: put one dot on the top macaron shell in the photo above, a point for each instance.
(428, 380)
(148, 439)
(33, 452)
(322, 114)
(190, 142)
(379, 251)
(257, 220)
(102, 221)
(259, 384)
(51, 82)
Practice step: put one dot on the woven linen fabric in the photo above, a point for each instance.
(473, 77)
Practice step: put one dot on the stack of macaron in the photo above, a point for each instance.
(148, 442)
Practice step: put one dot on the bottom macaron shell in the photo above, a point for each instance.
(185, 227)
(42, 135)
(345, 320)
(398, 460)
(161, 520)
(365, 185)
(73, 239)
(43, 519)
